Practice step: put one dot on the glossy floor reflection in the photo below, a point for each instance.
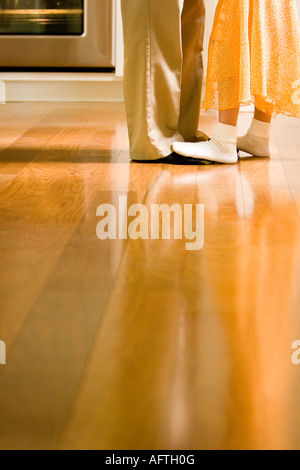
(123, 344)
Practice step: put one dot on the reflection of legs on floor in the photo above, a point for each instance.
(259, 249)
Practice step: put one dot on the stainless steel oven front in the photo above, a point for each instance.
(57, 34)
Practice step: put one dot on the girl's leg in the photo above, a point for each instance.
(261, 116)
(257, 140)
(229, 117)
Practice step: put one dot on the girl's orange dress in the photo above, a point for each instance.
(254, 57)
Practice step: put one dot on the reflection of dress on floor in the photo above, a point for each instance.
(254, 56)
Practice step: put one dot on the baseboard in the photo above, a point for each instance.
(61, 87)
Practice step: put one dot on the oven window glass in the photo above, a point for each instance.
(42, 17)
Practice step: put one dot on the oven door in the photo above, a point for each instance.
(56, 34)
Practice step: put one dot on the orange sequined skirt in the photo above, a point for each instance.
(254, 57)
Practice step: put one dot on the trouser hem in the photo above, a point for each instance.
(152, 156)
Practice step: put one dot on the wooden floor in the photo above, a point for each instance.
(142, 344)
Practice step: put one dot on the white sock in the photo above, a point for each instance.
(260, 129)
(221, 148)
(257, 140)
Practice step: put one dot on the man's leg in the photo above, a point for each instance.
(193, 23)
(152, 75)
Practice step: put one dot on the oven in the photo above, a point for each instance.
(57, 35)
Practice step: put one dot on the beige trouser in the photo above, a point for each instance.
(163, 73)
